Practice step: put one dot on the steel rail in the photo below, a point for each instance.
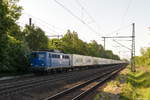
(81, 95)
(67, 91)
(31, 84)
(29, 80)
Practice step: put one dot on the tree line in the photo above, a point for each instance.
(70, 43)
(144, 59)
(16, 43)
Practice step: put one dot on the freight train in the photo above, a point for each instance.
(47, 61)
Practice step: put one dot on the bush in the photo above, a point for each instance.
(14, 55)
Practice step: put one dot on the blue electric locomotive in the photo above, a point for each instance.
(45, 60)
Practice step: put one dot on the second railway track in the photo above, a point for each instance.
(15, 87)
(80, 90)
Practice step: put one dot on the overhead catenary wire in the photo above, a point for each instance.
(75, 16)
(46, 27)
(44, 22)
(40, 24)
(122, 19)
(88, 14)
(122, 45)
(85, 10)
(49, 28)
(21, 23)
(124, 40)
(119, 29)
(126, 11)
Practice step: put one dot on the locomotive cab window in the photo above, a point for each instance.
(65, 57)
(58, 56)
(55, 56)
(41, 56)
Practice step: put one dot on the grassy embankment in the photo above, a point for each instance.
(128, 86)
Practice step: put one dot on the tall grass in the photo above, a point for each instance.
(137, 86)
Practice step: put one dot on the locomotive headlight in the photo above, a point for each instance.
(42, 64)
(31, 64)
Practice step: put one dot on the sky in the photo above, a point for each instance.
(92, 19)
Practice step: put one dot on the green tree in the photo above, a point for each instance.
(17, 33)
(109, 54)
(35, 37)
(94, 49)
(72, 44)
(12, 51)
(55, 44)
(144, 59)
(17, 50)
(18, 55)
(9, 14)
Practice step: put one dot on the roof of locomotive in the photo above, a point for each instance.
(54, 51)
(50, 51)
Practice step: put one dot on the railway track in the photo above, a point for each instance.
(79, 91)
(20, 86)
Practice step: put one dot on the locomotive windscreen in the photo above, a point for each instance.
(40, 56)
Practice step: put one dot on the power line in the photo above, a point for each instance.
(123, 17)
(53, 26)
(104, 38)
(119, 29)
(89, 15)
(78, 18)
(21, 23)
(122, 45)
(126, 11)
(51, 29)
(124, 40)
(85, 11)
(118, 37)
(44, 24)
